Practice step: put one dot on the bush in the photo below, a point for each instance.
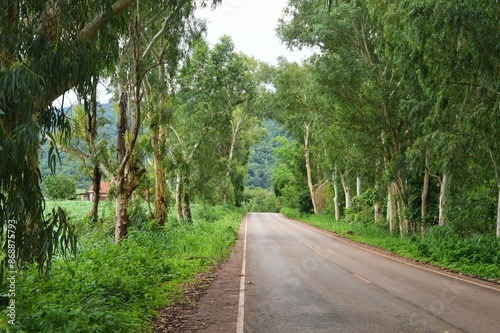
(60, 187)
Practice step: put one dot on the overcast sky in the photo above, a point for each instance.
(252, 27)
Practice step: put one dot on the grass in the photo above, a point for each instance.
(119, 288)
(478, 255)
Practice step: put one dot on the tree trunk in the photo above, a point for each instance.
(377, 207)
(308, 169)
(347, 190)
(498, 213)
(358, 186)
(178, 197)
(121, 215)
(336, 196)
(96, 183)
(403, 220)
(442, 199)
(425, 192)
(391, 207)
(129, 169)
(187, 207)
(160, 210)
(227, 179)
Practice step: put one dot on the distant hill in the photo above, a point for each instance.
(261, 160)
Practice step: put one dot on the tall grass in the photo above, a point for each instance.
(119, 288)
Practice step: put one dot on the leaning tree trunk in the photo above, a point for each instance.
(227, 179)
(308, 169)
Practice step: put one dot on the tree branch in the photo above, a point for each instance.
(93, 26)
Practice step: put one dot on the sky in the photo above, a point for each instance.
(252, 27)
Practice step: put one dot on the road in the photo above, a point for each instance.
(299, 279)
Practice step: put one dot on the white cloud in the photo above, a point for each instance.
(252, 26)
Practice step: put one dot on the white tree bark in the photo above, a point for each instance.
(347, 190)
(308, 169)
(391, 206)
(425, 190)
(234, 137)
(443, 182)
(498, 213)
(336, 196)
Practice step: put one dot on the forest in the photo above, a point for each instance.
(391, 127)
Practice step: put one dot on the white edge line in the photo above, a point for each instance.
(241, 303)
(452, 276)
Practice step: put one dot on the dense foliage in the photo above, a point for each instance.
(401, 103)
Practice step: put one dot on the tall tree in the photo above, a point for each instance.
(213, 86)
(360, 75)
(46, 48)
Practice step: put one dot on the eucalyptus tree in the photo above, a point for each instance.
(47, 47)
(139, 57)
(362, 77)
(298, 107)
(455, 46)
(213, 85)
(169, 39)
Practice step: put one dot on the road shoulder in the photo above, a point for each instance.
(211, 304)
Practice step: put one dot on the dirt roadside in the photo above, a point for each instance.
(209, 305)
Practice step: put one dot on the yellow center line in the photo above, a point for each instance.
(362, 278)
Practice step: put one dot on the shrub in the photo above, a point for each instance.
(60, 187)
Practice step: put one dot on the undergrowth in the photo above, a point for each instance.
(477, 255)
(119, 288)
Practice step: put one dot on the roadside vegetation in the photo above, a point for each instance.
(388, 135)
(109, 288)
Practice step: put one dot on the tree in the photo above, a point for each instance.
(296, 106)
(46, 50)
(356, 70)
(60, 187)
(213, 87)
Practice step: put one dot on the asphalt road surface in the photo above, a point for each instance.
(299, 279)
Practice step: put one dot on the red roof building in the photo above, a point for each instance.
(103, 191)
